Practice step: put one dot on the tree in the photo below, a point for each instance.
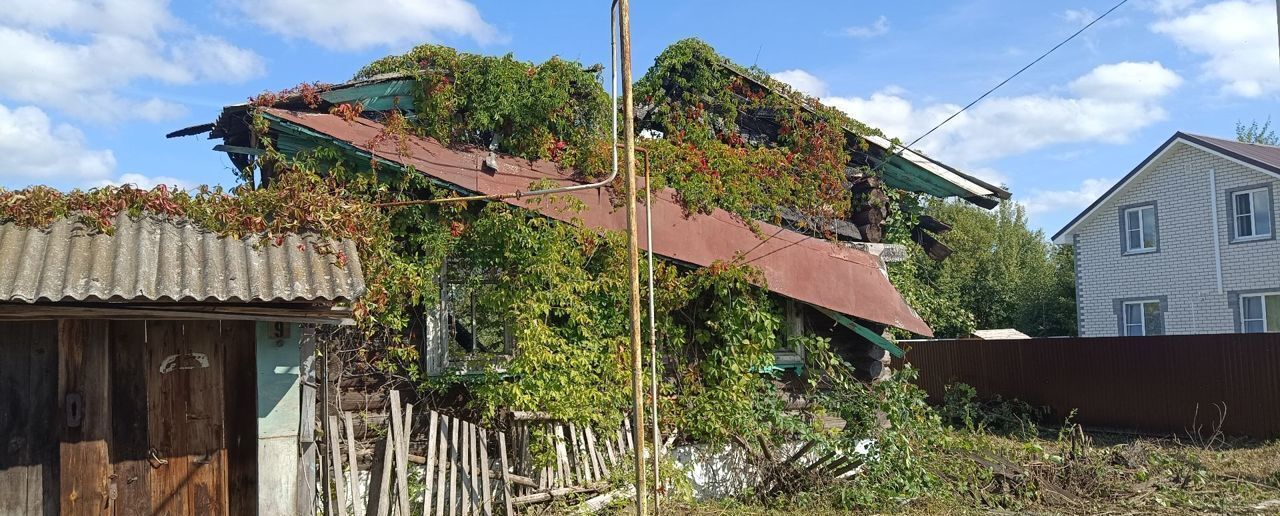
(1001, 273)
(1255, 133)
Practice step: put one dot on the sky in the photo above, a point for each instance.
(88, 89)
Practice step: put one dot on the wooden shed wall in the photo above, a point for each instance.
(127, 417)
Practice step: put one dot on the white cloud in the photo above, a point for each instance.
(1044, 201)
(32, 147)
(377, 23)
(145, 182)
(1108, 104)
(78, 57)
(879, 27)
(1238, 40)
(1079, 16)
(1169, 6)
(802, 81)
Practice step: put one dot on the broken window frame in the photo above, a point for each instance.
(476, 360)
(790, 351)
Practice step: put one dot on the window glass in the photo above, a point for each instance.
(1271, 304)
(1151, 315)
(1262, 213)
(1149, 235)
(1252, 314)
(1133, 319)
(1244, 215)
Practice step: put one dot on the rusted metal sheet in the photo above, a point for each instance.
(807, 269)
(1167, 384)
(155, 259)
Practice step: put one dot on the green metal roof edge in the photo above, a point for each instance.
(301, 131)
(866, 333)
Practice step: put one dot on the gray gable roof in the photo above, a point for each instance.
(154, 259)
(1262, 157)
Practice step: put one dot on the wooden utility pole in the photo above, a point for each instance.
(633, 249)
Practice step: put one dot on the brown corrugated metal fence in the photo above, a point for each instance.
(1147, 384)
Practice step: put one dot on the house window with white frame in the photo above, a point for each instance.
(1141, 234)
(1260, 313)
(1251, 214)
(1143, 318)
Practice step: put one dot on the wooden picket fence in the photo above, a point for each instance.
(458, 475)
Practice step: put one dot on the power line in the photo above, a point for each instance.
(1019, 72)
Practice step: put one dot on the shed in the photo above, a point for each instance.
(161, 368)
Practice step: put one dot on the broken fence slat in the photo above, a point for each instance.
(474, 466)
(442, 470)
(820, 461)
(601, 470)
(397, 428)
(799, 454)
(453, 467)
(484, 472)
(357, 507)
(335, 461)
(465, 465)
(382, 503)
(402, 478)
(507, 492)
(428, 472)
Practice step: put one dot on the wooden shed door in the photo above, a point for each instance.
(185, 418)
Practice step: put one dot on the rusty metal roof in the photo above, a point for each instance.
(156, 259)
(807, 269)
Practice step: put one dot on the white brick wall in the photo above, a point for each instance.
(1183, 269)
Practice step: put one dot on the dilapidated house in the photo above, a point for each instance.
(161, 368)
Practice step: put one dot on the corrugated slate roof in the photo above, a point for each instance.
(157, 259)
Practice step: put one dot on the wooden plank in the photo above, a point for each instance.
(579, 467)
(307, 423)
(506, 474)
(84, 400)
(563, 467)
(400, 462)
(429, 471)
(484, 473)
(442, 472)
(380, 479)
(202, 408)
(335, 461)
(453, 467)
(403, 479)
(357, 507)
(467, 467)
(601, 469)
(240, 379)
(28, 392)
(129, 443)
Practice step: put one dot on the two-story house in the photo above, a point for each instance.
(1183, 244)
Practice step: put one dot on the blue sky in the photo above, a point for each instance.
(88, 89)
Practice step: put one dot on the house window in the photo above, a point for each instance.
(1143, 318)
(790, 353)
(473, 335)
(1251, 214)
(1141, 234)
(1260, 313)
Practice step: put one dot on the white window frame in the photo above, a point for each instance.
(1140, 229)
(1142, 319)
(1262, 296)
(1253, 195)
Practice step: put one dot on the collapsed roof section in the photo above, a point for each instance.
(902, 168)
(795, 266)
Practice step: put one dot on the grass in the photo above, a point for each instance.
(1072, 472)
